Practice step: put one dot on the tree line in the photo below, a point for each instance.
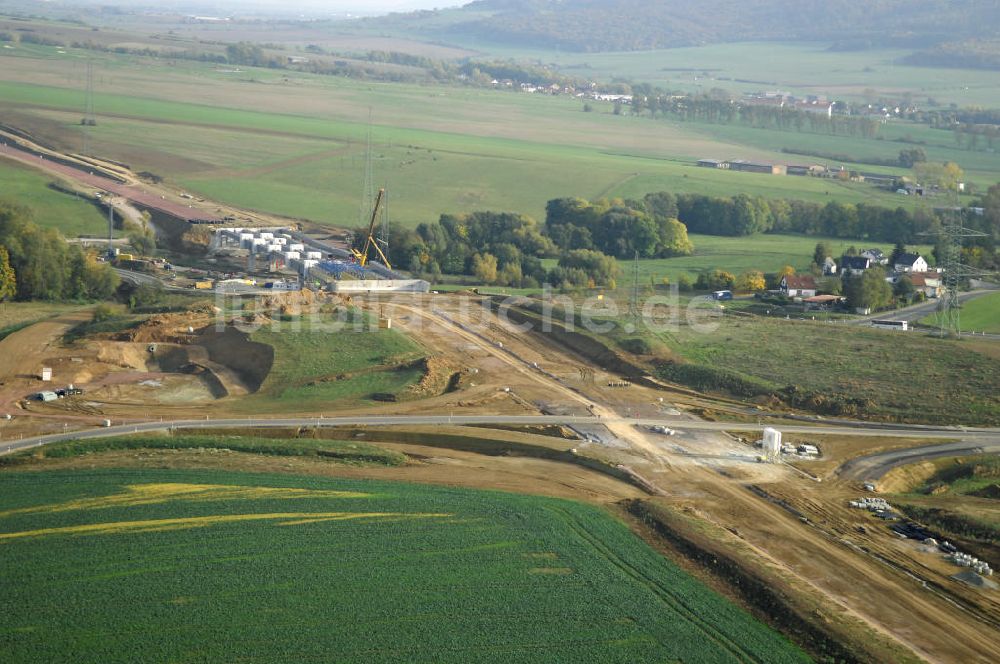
(507, 248)
(620, 228)
(746, 215)
(719, 108)
(38, 264)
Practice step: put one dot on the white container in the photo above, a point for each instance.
(296, 246)
(772, 443)
(46, 374)
(291, 255)
(314, 255)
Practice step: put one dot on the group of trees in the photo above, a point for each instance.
(38, 264)
(619, 227)
(502, 248)
(747, 215)
(719, 108)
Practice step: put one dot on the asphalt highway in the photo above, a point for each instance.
(974, 438)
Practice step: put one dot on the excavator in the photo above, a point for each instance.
(370, 241)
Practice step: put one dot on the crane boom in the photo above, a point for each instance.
(370, 241)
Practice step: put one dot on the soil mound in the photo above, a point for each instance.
(251, 361)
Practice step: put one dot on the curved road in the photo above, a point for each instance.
(873, 467)
(975, 438)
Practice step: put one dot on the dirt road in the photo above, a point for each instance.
(23, 353)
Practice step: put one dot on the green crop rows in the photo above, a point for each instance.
(155, 565)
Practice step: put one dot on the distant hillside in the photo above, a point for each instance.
(971, 53)
(610, 25)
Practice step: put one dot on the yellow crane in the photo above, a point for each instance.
(370, 241)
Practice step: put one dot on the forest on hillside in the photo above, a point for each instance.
(623, 25)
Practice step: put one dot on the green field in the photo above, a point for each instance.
(314, 368)
(52, 209)
(764, 252)
(294, 144)
(800, 68)
(158, 565)
(15, 315)
(981, 314)
(339, 451)
(913, 378)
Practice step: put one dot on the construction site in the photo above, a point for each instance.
(284, 328)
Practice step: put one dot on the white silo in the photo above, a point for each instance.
(772, 444)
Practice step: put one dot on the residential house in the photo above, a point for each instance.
(876, 256)
(798, 285)
(854, 265)
(910, 263)
(929, 283)
(713, 163)
(824, 301)
(815, 106)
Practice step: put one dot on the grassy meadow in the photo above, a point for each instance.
(52, 209)
(316, 368)
(955, 385)
(981, 314)
(161, 565)
(764, 252)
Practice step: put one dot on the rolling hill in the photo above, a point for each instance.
(625, 25)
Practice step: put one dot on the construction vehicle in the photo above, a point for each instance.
(370, 241)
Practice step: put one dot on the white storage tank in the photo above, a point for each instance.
(772, 443)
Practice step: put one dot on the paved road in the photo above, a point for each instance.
(917, 311)
(985, 438)
(133, 192)
(873, 467)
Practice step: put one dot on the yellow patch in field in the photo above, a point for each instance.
(150, 494)
(551, 570)
(156, 525)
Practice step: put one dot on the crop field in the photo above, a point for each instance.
(315, 368)
(51, 208)
(438, 149)
(119, 565)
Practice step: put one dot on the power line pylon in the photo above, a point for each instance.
(633, 306)
(954, 272)
(88, 107)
